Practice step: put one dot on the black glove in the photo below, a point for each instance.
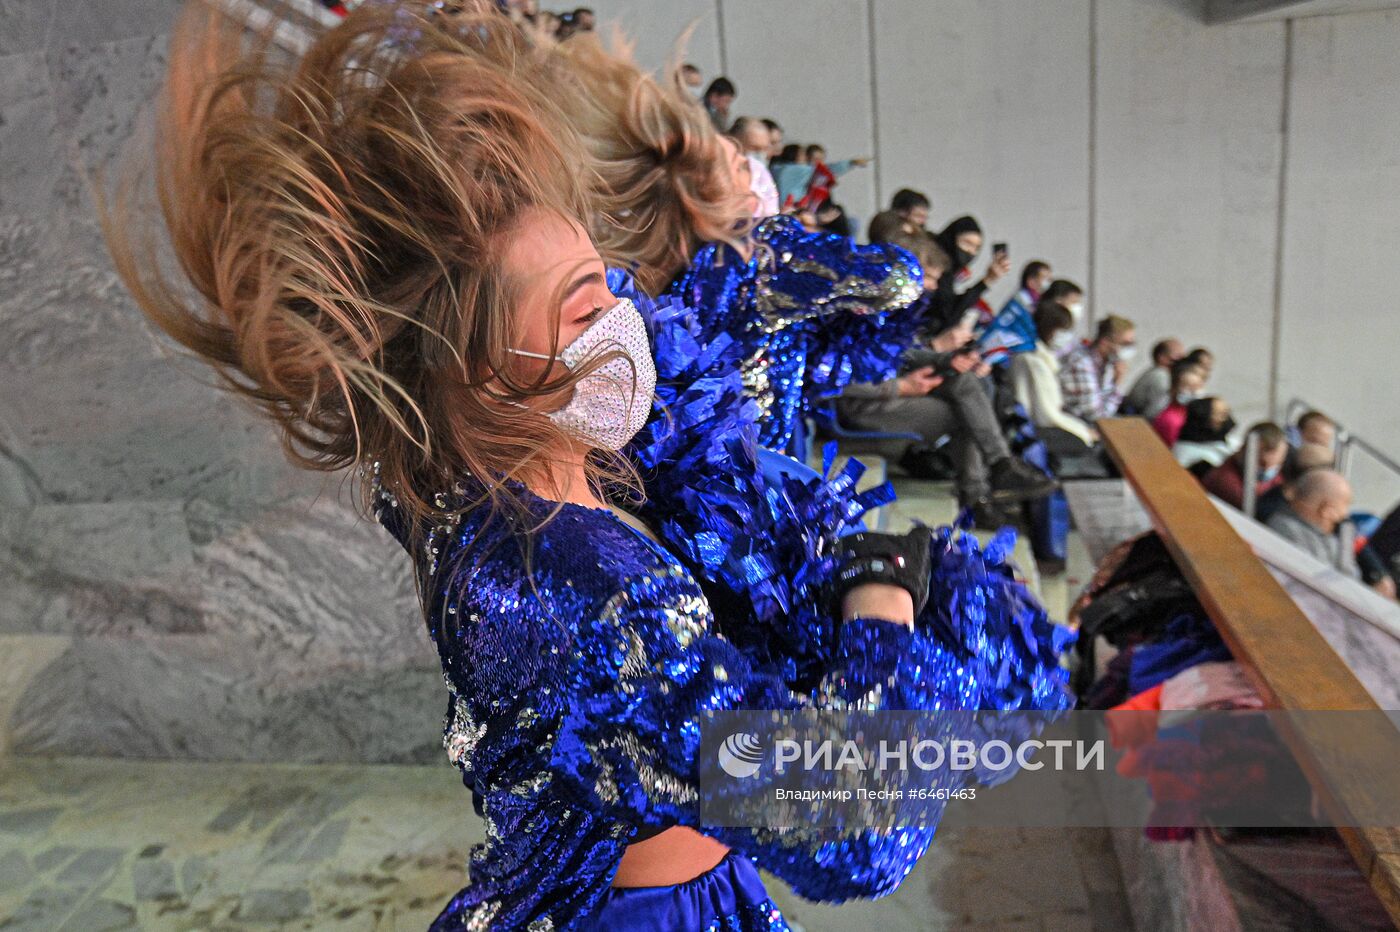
(893, 559)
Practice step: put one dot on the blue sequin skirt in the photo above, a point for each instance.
(728, 897)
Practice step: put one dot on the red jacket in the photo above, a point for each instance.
(1168, 424)
(1226, 482)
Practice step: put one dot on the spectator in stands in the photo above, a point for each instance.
(824, 176)
(1316, 427)
(1306, 458)
(832, 218)
(908, 213)
(1204, 358)
(794, 172)
(1226, 481)
(1386, 542)
(755, 139)
(1069, 296)
(1316, 506)
(1013, 329)
(1092, 375)
(775, 138)
(1035, 378)
(1152, 390)
(962, 241)
(951, 405)
(719, 97)
(1188, 379)
(692, 77)
(1204, 440)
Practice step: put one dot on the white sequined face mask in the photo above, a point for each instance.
(612, 403)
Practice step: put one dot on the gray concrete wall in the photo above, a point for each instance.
(171, 587)
(1235, 185)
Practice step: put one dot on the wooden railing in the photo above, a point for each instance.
(1287, 660)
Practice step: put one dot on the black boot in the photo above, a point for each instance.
(986, 514)
(1014, 481)
(923, 463)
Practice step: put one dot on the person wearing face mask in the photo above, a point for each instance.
(1316, 506)
(1092, 375)
(1012, 331)
(1204, 440)
(962, 241)
(754, 139)
(1035, 379)
(940, 397)
(1226, 481)
(600, 560)
(1188, 379)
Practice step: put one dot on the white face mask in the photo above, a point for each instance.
(1062, 342)
(611, 404)
(1127, 353)
(1077, 312)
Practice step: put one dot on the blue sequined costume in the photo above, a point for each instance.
(577, 686)
(813, 311)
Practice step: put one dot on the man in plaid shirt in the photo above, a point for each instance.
(1092, 375)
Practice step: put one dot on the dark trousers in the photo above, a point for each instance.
(959, 409)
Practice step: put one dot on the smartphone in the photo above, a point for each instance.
(1000, 247)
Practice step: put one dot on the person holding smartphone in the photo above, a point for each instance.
(962, 241)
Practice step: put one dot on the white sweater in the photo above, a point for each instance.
(1035, 377)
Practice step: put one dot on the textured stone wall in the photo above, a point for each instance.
(169, 586)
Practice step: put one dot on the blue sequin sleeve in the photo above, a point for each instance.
(799, 274)
(811, 312)
(649, 667)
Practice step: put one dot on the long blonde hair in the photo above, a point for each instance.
(664, 186)
(341, 221)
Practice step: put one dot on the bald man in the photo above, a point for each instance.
(1318, 502)
(1308, 457)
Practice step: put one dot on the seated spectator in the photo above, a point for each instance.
(754, 140)
(1012, 331)
(1226, 481)
(1316, 427)
(1152, 390)
(1205, 435)
(824, 176)
(932, 260)
(1035, 378)
(791, 174)
(955, 406)
(1386, 542)
(908, 214)
(775, 138)
(1204, 358)
(962, 241)
(1305, 459)
(692, 78)
(1316, 506)
(832, 218)
(794, 171)
(1091, 376)
(941, 398)
(719, 97)
(1188, 378)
